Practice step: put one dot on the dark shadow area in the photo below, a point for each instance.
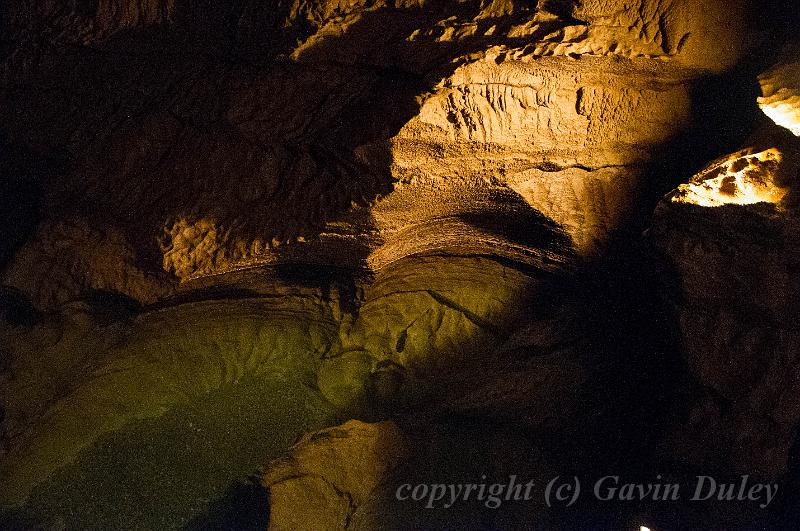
(787, 506)
(639, 373)
(111, 306)
(726, 114)
(644, 385)
(526, 227)
(343, 281)
(22, 172)
(244, 506)
(16, 308)
(18, 521)
(215, 293)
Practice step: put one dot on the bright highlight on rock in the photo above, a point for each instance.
(780, 87)
(744, 178)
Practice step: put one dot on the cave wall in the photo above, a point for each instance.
(385, 210)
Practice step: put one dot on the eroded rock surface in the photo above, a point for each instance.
(71, 383)
(780, 88)
(328, 210)
(731, 237)
(331, 474)
(65, 261)
(422, 334)
(214, 138)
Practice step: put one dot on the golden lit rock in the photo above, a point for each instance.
(330, 474)
(744, 178)
(780, 100)
(236, 223)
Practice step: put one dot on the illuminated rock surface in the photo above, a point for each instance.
(233, 224)
(331, 474)
(746, 178)
(319, 141)
(780, 88)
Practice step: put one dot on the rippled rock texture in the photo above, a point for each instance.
(212, 138)
(234, 223)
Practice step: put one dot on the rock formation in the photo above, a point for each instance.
(730, 236)
(233, 224)
(333, 473)
(780, 86)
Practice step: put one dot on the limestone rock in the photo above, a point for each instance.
(421, 334)
(350, 209)
(288, 132)
(65, 260)
(780, 88)
(71, 386)
(745, 178)
(731, 237)
(330, 474)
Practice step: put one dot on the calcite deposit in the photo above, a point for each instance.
(286, 240)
